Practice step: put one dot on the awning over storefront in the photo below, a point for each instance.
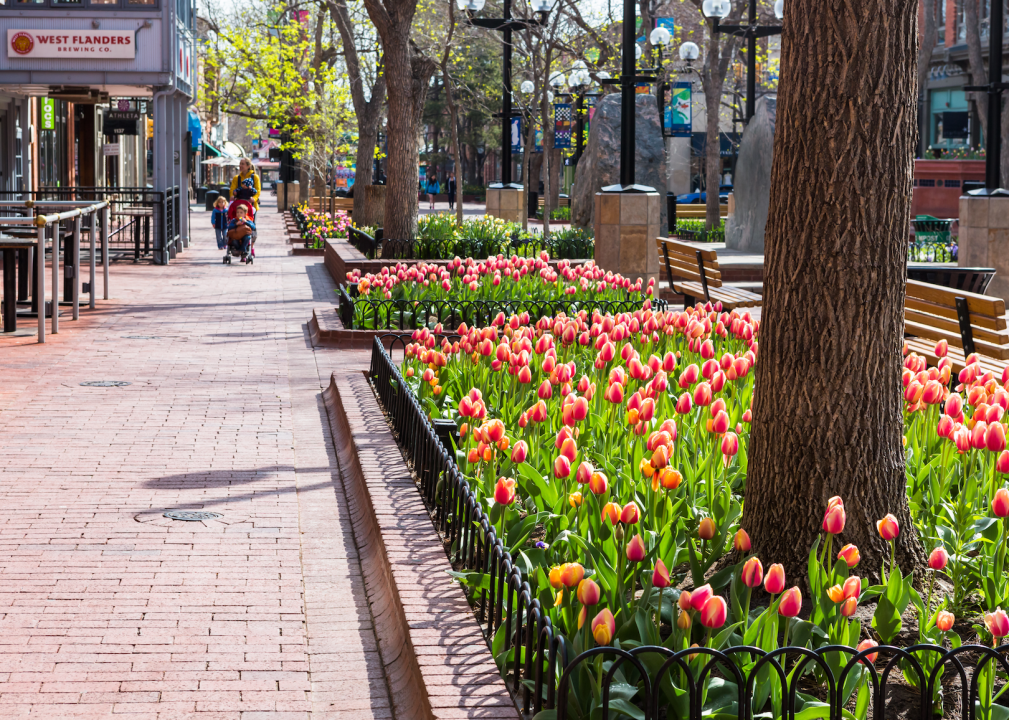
(210, 151)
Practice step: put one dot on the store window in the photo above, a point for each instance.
(53, 148)
(941, 22)
(950, 127)
(94, 4)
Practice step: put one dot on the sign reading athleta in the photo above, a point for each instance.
(97, 44)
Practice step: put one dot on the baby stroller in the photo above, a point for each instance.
(235, 244)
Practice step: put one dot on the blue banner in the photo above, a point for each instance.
(563, 121)
(516, 134)
(678, 120)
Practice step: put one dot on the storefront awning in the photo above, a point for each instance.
(210, 151)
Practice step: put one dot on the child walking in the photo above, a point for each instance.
(219, 219)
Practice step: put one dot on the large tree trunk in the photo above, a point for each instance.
(828, 405)
(712, 155)
(402, 163)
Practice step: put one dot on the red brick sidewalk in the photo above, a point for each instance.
(108, 609)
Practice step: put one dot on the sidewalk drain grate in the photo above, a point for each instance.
(142, 337)
(192, 515)
(105, 383)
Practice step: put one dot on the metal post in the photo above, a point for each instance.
(579, 126)
(10, 308)
(92, 246)
(76, 295)
(40, 282)
(105, 251)
(628, 101)
(751, 65)
(56, 277)
(506, 104)
(993, 151)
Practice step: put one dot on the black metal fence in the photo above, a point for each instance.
(379, 248)
(143, 223)
(367, 313)
(542, 673)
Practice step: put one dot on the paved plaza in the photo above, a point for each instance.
(110, 609)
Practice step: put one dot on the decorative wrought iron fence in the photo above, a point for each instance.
(832, 682)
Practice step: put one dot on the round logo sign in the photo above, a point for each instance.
(22, 43)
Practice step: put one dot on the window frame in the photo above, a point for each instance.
(117, 6)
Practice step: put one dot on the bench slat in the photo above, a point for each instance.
(951, 325)
(977, 304)
(999, 352)
(678, 264)
(688, 249)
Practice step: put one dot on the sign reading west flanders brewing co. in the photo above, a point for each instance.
(97, 44)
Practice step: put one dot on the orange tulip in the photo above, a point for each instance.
(555, 577)
(888, 527)
(670, 478)
(572, 574)
(835, 593)
(683, 620)
(684, 601)
(575, 499)
(604, 627)
(706, 530)
(611, 512)
(598, 483)
(865, 645)
(741, 542)
(848, 607)
(588, 592)
(944, 620)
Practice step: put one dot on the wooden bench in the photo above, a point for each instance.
(973, 280)
(969, 322)
(324, 203)
(702, 277)
(561, 202)
(698, 211)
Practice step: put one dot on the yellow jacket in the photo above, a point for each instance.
(255, 183)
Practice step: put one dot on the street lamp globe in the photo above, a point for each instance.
(550, 97)
(542, 6)
(716, 8)
(638, 52)
(471, 5)
(558, 81)
(779, 9)
(660, 37)
(579, 65)
(689, 52)
(526, 87)
(603, 75)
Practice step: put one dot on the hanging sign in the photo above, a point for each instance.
(110, 149)
(48, 114)
(563, 119)
(95, 44)
(121, 122)
(516, 134)
(678, 120)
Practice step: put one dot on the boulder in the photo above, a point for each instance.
(744, 229)
(600, 162)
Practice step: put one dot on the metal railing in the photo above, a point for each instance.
(142, 222)
(538, 664)
(360, 313)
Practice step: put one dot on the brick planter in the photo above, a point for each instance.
(433, 652)
(326, 330)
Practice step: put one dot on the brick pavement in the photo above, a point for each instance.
(108, 609)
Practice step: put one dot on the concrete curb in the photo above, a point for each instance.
(435, 657)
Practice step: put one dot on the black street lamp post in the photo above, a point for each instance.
(994, 88)
(716, 10)
(505, 25)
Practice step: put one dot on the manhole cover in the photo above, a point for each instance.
(105, 383)
(142, 337)
(191, 515)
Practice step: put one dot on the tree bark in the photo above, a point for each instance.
(828, 409)
(367, 110)
(978, 74)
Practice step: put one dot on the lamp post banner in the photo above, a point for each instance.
(563, 118)
(678, 120)
(516, 134)
(96, 44)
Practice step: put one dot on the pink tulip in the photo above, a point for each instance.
(584, 472)
(865, 645)
(730, 444)
(888, 527)
(994, 438)
(604, 627)
(702, 394)
(714, 612)
(946, 427)
(774, 581)
(629, 514)
(833, 520)
(1002, 462)
(852, 587)
(504, 491)
(700, 596)
(520, 452)
(938, 558)
(752, 573)
(791, 603)
(660, 576)
(636, 549)
(849, 606)
(1000, 503)
(997, 623)
(684, 404)
(954, 406)
(562, 467)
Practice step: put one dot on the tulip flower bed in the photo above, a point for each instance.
(470, 291)
(317, 227)
(608, 455)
